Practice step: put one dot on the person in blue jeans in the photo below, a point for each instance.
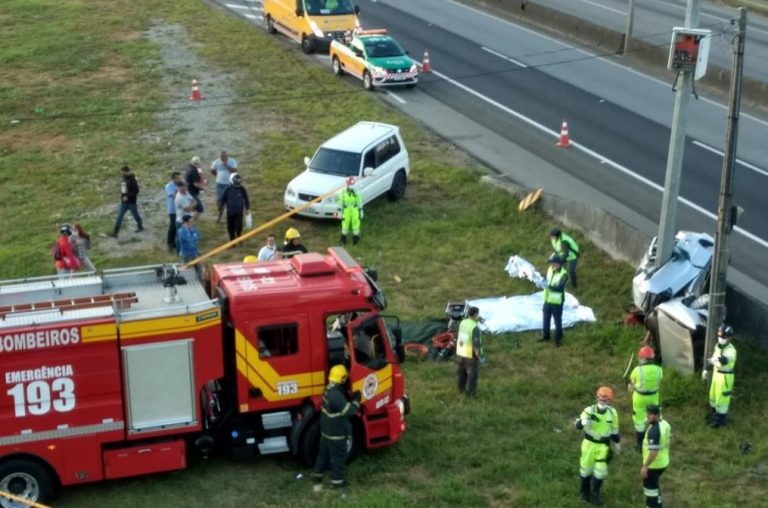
(170, 201)
(129, 193)
(187, 240)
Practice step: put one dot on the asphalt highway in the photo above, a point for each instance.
(654, 17)
(520, 85)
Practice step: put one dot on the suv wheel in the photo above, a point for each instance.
(397, 190)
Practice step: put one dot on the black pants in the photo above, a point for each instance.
(333, 456)
(553, 311)
(172, 231)
(651, 488)
(467, 373)
(234, 225)
(572, 272)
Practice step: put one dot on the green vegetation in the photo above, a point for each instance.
(85, 83)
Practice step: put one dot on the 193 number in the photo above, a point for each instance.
(38, 397)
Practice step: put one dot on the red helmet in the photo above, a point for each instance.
(605, 394)
(351, 181)
(646, 353)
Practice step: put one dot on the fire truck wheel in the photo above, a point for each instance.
(26, 479)
(355, 442)
(310, 442)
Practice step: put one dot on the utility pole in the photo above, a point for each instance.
(726, 213)
(630, 22)
(668, 220)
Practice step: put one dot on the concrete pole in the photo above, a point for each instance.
(725, 217)
(668, 219)
(630, 22)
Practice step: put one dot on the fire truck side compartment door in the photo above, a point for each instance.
(159, 381)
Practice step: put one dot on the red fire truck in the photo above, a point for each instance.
(118, 374)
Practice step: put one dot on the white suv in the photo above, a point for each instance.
(373, 153)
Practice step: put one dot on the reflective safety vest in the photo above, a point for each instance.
(573, 247)
(728, 351)
(464, 345)
(601, 427)
(646, 378)
(662, 459)
(349, 199)
(553, 279)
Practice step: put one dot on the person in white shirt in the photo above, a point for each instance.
(222, 168)
(269, 251)
(185, 203)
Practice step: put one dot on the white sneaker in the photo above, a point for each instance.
(318, 487)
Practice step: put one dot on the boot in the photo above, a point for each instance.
(710, 415)
(639, 436)
(140, 228)
(355, 239)
(718, 421)
(343, 239)
(585, 484)
(596, 485)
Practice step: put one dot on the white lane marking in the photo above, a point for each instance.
(504, 57)
(396, 97)
(601, 6)
(592, 55)
(253, 16)
(253, 1)
(238, 6)
(588, 151)
(739, 161)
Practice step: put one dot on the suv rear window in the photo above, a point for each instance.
(335, 162)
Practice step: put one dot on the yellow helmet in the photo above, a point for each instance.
(250, 259)
(605, 394)
(338, 374)
(292, 233)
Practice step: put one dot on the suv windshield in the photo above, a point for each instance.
(335, 162)
(328, 7)
(381, 48)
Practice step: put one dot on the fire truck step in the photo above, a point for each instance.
(277, 444)
(279, 420)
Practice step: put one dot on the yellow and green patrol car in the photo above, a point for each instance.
(374, 57)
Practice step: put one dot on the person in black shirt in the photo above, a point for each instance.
(129, 192)
(235, 198)
(195, 181)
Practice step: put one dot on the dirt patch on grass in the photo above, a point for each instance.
(24, 140)
(221, 121)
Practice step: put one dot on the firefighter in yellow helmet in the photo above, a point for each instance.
(335, 429)
(600, 423)
(292, 244)
(250, 259)
(350, 211)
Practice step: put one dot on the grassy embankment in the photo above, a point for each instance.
(89, 63)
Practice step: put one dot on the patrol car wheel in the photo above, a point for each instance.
(270, 25)
(397, 191)
(26, 480)
(367, 81)
(337, 67)
(307, 44)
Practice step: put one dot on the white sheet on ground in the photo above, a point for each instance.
(522, 313)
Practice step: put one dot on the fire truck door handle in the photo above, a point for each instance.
(145, 450)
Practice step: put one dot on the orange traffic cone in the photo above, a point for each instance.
(425, 65)
(195, 95)
(565, 139)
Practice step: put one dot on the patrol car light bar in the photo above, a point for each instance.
(377, 31)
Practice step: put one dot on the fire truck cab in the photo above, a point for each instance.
(119, 373)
